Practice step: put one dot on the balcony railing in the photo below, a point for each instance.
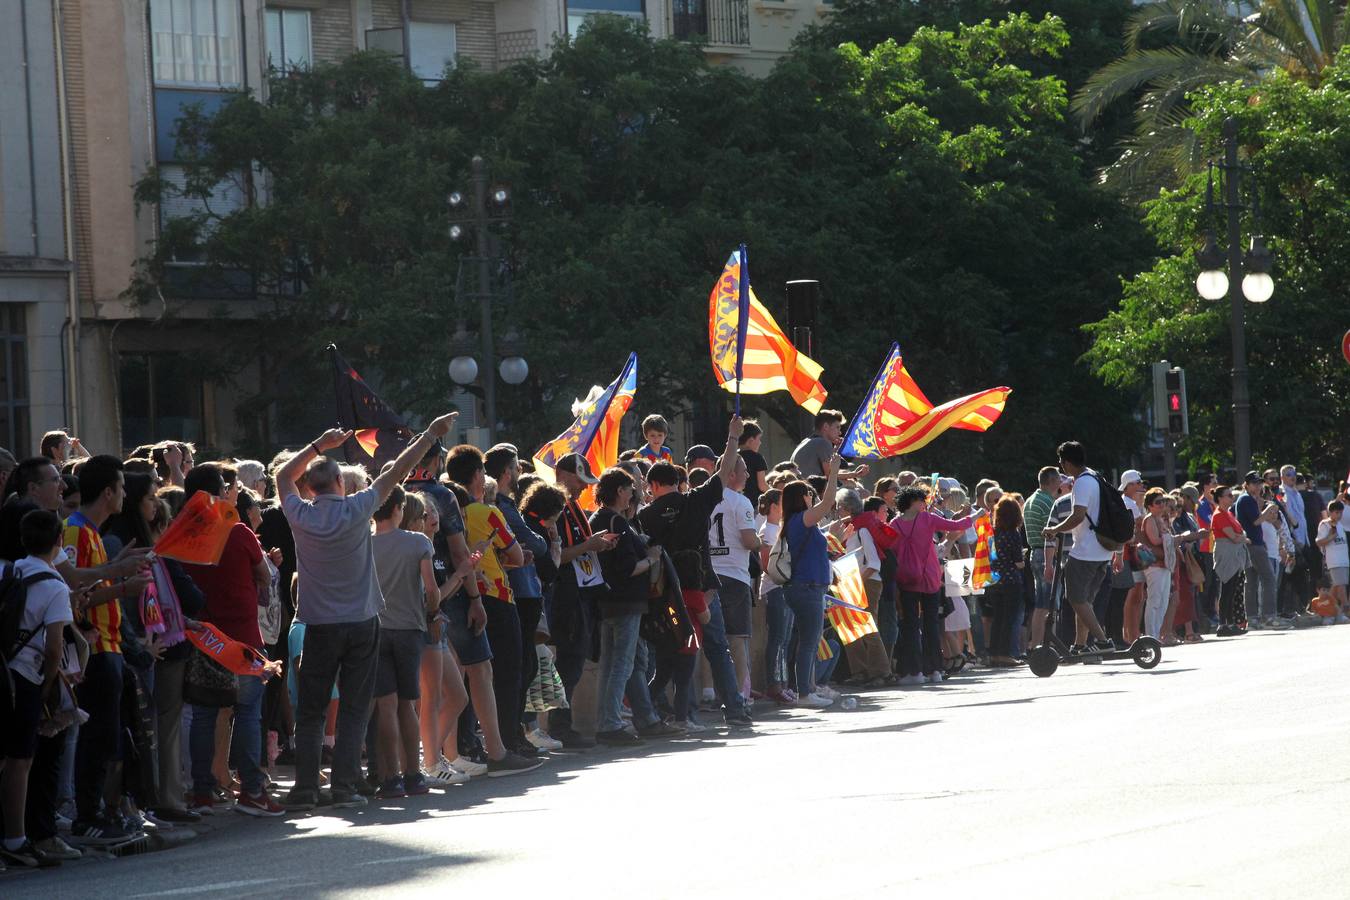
(724, 22)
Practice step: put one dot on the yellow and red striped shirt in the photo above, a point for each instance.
(486, 523)
(84, 547)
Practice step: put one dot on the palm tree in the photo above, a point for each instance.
(1174, 47)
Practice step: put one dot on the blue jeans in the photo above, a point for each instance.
(779, 619)
(1019, 614)
(639, 698)
(718, 651)
(618, 646)
(807, 603)
(245, 741)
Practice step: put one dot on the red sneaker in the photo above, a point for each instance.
(260, 805)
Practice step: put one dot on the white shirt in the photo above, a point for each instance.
(1088, 494)
(1132, 507)
(768, 534)
(1337, 553)
(733, 515)
(862, 539)
(47, 603)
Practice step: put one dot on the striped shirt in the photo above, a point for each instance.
(84, 547)
(1036, 514)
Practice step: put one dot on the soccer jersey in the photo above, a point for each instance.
(486, 523)
(656, 456)
(84, 547)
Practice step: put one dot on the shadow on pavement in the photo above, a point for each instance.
(897, 727)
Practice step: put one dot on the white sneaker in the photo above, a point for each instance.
(541, 741)
(444, 775)
(469, 767)
(912, 680)
(1275, 623)
(816, 701)
(692, 727)
(825, 690)
(1342, 619)
(936, 678)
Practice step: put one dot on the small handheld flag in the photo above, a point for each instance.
(381, 434)
(595, 431)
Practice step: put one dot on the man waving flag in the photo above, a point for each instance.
(750, 353)
(595, 432)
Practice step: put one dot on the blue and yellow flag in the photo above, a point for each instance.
(897, 418)
(595, 431)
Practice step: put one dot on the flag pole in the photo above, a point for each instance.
(742, 324)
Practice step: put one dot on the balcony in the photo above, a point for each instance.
(718, 22)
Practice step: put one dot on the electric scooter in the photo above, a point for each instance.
(1146, 652)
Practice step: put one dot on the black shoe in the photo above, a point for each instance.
(286, 757)
(1102, 645)
(1227, 631)
(345, 798)
(1078, 649)
(301, 799)
(659, 729)
(27, 855)
(574, 741)
(510, 764)
(619, 738)
(177, 816)
(739, 720)
(525, 749)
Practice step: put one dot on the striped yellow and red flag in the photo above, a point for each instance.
(897, 418)
(369, 440)
(984, 533)
(594, 433)
(848, 613)
(766, 359)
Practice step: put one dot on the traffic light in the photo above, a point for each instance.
(1169, 400)
(1178, 422)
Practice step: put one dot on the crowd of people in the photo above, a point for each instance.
(431, 622)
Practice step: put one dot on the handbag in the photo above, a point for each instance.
(1193, 571)
(779, 570)
(546, 690)
(208, 683)
(269, 607)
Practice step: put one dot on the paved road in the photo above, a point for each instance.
(1219, 774)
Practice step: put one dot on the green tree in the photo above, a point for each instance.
(930, 184)
(1175, 47)
(1295, 140)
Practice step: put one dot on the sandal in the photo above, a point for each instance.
(1194, 639)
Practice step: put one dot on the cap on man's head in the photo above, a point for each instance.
(1190, 492)
(577, 465)
(946, 484)
(1252, 477)
(1129, 477)
(700, 451)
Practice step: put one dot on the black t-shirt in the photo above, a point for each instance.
(679, 522)
(627, 592)
(11, 514)
(754, 464)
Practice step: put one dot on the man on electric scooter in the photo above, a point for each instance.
(1088, 562)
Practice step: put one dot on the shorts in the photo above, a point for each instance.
(470, 649)
(400, 663)
(1082, 579)
(19, 732)
(735, 598)
(1340, 576)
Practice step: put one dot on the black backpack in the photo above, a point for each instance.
(1116, 528)
(13, 603)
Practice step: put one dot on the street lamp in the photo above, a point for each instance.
(464, 368)
(1256, 285)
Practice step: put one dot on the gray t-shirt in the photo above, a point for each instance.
(398, 565)
(812, 456)
(334, 557)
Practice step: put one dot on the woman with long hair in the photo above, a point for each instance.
(1006, 567)
(811, 575)
(1230, 544)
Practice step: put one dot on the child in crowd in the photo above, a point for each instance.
(655, 429)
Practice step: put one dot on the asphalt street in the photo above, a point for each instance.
(1219, 774)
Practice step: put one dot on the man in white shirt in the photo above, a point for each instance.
(1085, 569)
(1331, 540)
(732, 537)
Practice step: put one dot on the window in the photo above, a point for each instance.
(431, 49)
(226, 197)
(196, 42)
(14, 381)
(288, 45)
(578, 11)
(161, 397)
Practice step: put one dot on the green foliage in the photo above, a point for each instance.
(1295, 140)
(930, 184)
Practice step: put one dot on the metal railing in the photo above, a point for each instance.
(725, 22)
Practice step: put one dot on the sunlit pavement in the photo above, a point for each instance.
(1219, 774)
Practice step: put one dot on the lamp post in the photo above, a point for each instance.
(1256, 286)
(488, 207)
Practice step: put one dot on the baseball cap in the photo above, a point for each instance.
(1252, 477)
(1129, 477)
(577, 465)
(1190, 492)
(700, 451)
(947, 484)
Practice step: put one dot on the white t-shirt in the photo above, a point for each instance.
(1337, 553)
(48, 603)
(768, 534)
(862, 539)
(733, 515)
(1131, 506)
(1087, 494)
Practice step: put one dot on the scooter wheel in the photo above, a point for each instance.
(1043, 661)
(1146, 652)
